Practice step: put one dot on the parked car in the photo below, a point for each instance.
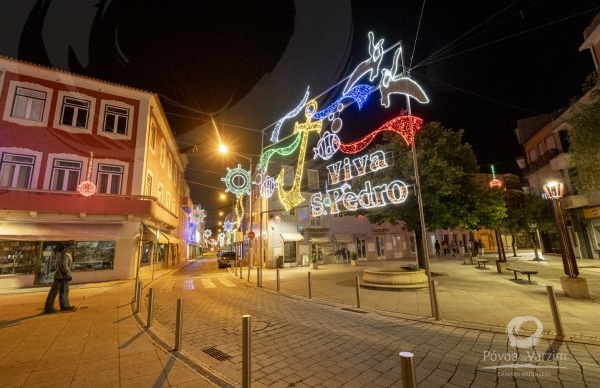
(225, 258)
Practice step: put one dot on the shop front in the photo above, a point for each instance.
(320, 247)
(288, 256)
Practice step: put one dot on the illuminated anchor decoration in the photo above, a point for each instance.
(291, 198)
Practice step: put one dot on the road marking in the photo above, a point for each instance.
(168, 286)
(208, 283)
(227, 283)
(188, 284)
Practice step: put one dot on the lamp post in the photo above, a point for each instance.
(573, 286)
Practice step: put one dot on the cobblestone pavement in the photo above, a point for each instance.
(298, 342)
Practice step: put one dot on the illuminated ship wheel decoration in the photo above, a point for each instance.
(198, 215)
(228, 226)
(237, 180)
(207, 233)
(87, 187)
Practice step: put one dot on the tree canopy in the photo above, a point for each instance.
(523, 210)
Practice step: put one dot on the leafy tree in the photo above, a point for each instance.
(524, 210)
(451, 197)
(585, 143)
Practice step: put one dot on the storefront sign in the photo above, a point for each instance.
(591, 213)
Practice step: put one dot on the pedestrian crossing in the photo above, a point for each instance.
(197, 284)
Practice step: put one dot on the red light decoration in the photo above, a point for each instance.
(495, 183)
(405, 126)
(87, 187)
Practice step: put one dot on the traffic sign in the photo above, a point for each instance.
(251, 234)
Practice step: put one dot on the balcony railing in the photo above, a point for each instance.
(541, 161)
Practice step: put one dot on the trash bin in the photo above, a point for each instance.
(280, 262)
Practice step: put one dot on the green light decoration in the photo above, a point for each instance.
(237, 180)
(283, 151)
(495, 182)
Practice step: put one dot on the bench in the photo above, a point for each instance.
(479, 261)
(524, 272)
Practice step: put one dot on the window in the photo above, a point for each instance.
(149, 185)
(550, 143)
(160, 193)
(115, 119)
(315, 222)
(176, 174)
(163, 151)
(532, 155)
(170, 166)
(16, 171)
(110, 178)
(28, 104)
(168, 201)
(380, 242)
(313, 179)
(65, 175)
(361, 249)
(541, 150)
(173, 206)
(152, 140)
(75, 112)
(288, 175)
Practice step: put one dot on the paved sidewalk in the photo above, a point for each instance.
(99, 345)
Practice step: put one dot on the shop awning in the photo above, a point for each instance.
(163, 238)
(292, 237)
(320, 240)
(343, 238)
(57, 231)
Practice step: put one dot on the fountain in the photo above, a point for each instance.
(407, 277)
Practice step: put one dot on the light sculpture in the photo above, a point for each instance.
(87, 187)
(213, 242)
(495, 182)
(268, 185)
(237, 180)
(207, 233)
(275, 133)
(283, 151)
(239, 214)
(392, 83)
(221, 238)
(291, 198)
(359, 93)
(198, 215)
(228, 226)
(370, 65)
(327, 146)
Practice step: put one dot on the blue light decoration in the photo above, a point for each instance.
(275, 133)
(370, 65)
(228, 226)
(359, 93)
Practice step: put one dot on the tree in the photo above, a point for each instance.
(451, 197)
(585, 143)
(523, 211)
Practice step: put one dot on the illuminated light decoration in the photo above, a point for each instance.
(359, 93)
(405, 126)
(370, 197)
(327, 146)
(221, 238)
(87, 187)
(359, 166)
(267, 185)
(239, 214)
(237, 180)
(198, 215)
(275, 133)
(370, 65)
(207, 233)
(291, 198)
(495, 182)
(228, 226)
(283, 151)
(213, 242)
(392, 83)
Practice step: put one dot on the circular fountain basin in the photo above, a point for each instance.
(394, 278)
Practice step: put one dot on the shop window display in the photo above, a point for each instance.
(18, 257)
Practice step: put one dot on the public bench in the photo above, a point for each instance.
(480, 261)
(524, 272)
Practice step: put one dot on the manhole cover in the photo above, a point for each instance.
(216, 353)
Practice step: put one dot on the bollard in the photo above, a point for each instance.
(357, 292)
(241, 271)
(246, 351)
(558, 326)
(258, 277)
(138, 298)
(278, 283)
(407, 368)
(150, 308)
(135, 291)
(309, 287)
(436, 313)
(179, 325)
(248, 278)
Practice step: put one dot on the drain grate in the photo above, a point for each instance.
(355, 311)
(216, 353)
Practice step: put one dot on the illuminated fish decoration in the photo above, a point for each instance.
(327, 146)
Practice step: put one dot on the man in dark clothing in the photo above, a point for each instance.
(62, 276)
(437, 248)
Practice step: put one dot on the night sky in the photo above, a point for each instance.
(249, 63)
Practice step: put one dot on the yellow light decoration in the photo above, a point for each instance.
(87, 187)
(291, 198)
(239, 204)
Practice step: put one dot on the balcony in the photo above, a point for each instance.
(44, 201)
(541, 161)
(560, 161)
(574, 201)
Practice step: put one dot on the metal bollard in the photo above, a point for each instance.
(558, 326)
(258, 277)
(138, 298)
(150, 308)
(436, 313)
(278, 282)
(248, 278)
(241, 271)
(235, 265)
(135, 291)
(407, 368)
(246, 351)
(357, 292)
(309, 287)
(179, 325)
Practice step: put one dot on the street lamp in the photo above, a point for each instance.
(572, 285)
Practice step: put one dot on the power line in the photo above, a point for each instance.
(417, 36)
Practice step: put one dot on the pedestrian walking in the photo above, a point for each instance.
(453, 247)
(461, 247)
(476, 247)
(62, 277)
(445, 247)
(481, 247)
(437, 248)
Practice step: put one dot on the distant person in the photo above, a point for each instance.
(453, 247)
(62, 277)
(470, 246)
(461, 247)
(437, 248)
(445, 247)
(481, 247)
(476, 248)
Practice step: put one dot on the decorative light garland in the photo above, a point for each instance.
(240, 204)
(236, 174)
(207, 233)
(228, 226)
(370, 65)
(87, 187)
(275, 133)
(291, 198)
(359, 93)
(263, 163)
(392, 83)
